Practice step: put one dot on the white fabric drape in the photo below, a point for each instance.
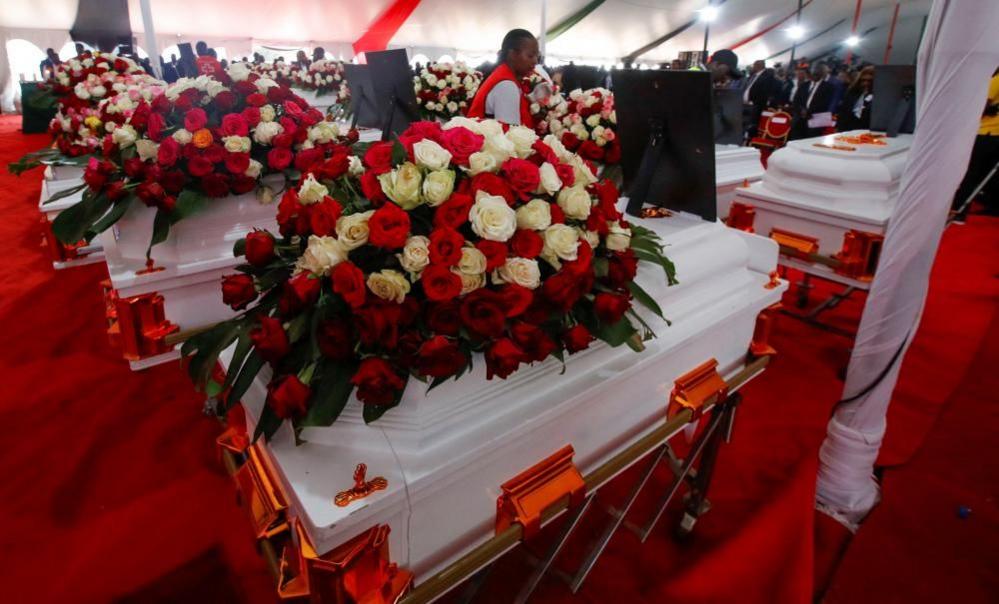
(959, 52)
(10, 90)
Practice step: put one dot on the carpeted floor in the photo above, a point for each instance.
(112, 490)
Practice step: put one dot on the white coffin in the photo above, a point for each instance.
(824, 193)
(50, 186)
(54, 172)
(193, 259)
(320, 102)
(735, 167)
(446, 453)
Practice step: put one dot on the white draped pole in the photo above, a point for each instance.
(152, 45)
(543, 36)
(959, 52)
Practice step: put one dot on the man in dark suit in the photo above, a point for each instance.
(759, 93)
(810, 100)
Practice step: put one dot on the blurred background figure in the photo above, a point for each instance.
(984, 159)
(48, 65)
(855, 110)
(759, 93)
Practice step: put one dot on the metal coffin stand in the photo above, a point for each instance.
(442, 465)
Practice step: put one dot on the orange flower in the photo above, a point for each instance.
(202, 139)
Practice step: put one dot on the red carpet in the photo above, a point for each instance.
(112, 490)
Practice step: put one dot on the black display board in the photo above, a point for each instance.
(392, 80)
(362, 97)
(667, 144)
(893, 108)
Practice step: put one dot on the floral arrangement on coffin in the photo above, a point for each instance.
(456, 240)
(542, 111)
(324, 77)
(587, 125)
(81, 82)
(202, 138)
(444, 90)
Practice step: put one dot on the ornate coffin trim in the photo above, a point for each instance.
(526, 496)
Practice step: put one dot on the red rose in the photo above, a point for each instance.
(494, 251)
(241, 184)
(306, 159)
(270, 339)
(237, 163)
(215, 185)
(288, 397)
(590, 150)
(545, 152)
(259, 248)
(252, 116)
(335, 339)
(611, 307)
(561, 290)
(279, 158)
(440, 357)
(323, 216)
(516, 298)
(583, 264)
(523, 176)
(199, 166)
(377, 383)
(607, 196)
(133, 167)
(535, 343)
(439, 283)
(378, 157)
(195, 119)
(95, 175)
(445, 246)
(334, 167)
(419, 131)
(115, 190)
(526, 243)
(215, 153)
(389, 227)
(154, 127)
(167, 203)
(622, 268)
(444, 318)
(168, 152)
(234, 124)
(299, 291)
(150, 192)
(238, 291)
(290, 213)
(292, 108)
(256, 100)
(378, 324)
(225, 100)
(372, 189)
(348, 282)
(566, 173)
(461, 143)
(454, 212)
(577, 338)
(494, 185)
(408, 349)
(502, 358)
(612, 152)
(482, 313)
(570, 141)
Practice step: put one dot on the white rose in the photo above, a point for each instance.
(147, 149)
(81, 91)
(389, 285)
(536, 215)
(550, 181)
(353, 229)
(591, 237)
(584, 177)
(522, 138)
(430, 155)
(312, 191)
(253, 170)
(463, 122)
(561, 241)
(237, 144)
(415, 254)
(124, 136)
(492, 218)
(265, 132)
(356, 167)
(489, 128)
(182, 136)
(470, 283)
(98, 91)
(473, 261)
(580, 131)
(267, 113)
(480, 162)
(593, 120)
(238, 72)
(558, 148)
(452, 107)
(324, 132)
(322, 254)
(519, 271)
(438, 186)
(499, 147)
(618, 237)
(402, 185)
(575, 202)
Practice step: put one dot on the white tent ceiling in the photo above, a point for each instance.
(475, 27)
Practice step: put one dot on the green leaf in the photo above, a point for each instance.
(65, 193)
(373, 412)
(247, 373)
(188, 203)
(399, 154)
(267, 424)
(243, 346)
(644, 298)
(73, 223)
(616, 334)
(239, 248)
(161, 230)
(331, 395)
(218, 338)
(117, 211)
(213, 389)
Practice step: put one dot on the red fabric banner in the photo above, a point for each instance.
(385, 26)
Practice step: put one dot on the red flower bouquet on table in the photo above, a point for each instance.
(444, 90)
(458, 242)
(202, 138)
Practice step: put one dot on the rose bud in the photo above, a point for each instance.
(259, 247)
(270, 339)
(288, 397)
(238, 291)
(377, 382)
(611, 307)
(577, 338)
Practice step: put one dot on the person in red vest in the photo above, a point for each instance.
(503, 96)
(206, 62)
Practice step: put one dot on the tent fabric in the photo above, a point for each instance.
(959, 53)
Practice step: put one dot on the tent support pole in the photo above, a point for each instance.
(152, 46)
